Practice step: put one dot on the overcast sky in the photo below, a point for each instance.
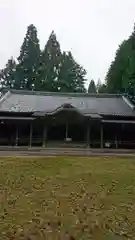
(91, 29)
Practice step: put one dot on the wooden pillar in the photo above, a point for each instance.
(116, 140)
(88, 135)
(101, 137)
(16, 139)
(44, 135)
(31, 131)
(66, 135)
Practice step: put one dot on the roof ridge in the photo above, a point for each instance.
(74, 94)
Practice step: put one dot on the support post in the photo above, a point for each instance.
(16, 139)
(88, 135)
(116, 140)
(66, 130)
(31, 131)
(44, 136)
(101, 137)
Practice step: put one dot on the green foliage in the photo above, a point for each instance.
(121, 74)
(8, 74)
(92, 87)
(101, 88)
(54, 70)
(29, 60)
(117, 76)
(130, 72)
(59, 71)
(72, 75)
(50, 68)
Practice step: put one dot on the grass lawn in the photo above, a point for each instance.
(67, 198)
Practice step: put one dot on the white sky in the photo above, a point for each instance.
(91, 29)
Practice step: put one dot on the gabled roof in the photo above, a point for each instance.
(45, 103)
(67, 107)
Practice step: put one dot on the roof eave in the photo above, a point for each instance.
(128, 102)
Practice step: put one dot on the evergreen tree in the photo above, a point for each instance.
(72, 75)
(92, 87)
(130, 71)
(117, 76)
(8, 74)
(51, 61)
(98, 85)
(28, 76)
(49, 70)
(80, 78)
(101, 88)
(121, 75)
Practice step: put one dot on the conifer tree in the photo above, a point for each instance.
(51, 61)
(29, 61)
(8, 74)
(72, 75)
(92, 87)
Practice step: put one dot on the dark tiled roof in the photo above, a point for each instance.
(28, 101)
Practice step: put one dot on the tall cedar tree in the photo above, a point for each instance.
(72, 75)
(47, 71)
(28, 76)
(117, 76)
(50, 68)
(121, 74)
(8, 74)
(101, 87)
(130, 71)
(92, 87)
